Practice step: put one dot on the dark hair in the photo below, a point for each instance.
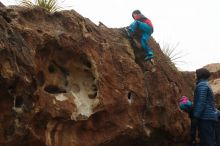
(135, 12)
(202, 73)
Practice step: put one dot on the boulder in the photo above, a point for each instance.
(66, 81)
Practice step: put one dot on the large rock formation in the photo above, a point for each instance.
(215, 80)
(66, 82)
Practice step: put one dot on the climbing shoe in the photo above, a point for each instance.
(128, 33)
(148, 58)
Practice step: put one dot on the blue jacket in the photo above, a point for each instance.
(204, 102)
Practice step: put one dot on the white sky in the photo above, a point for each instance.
(192, 24)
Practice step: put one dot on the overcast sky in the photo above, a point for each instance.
(192, 26)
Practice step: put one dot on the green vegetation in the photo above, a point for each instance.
(175, 56)
(50, 5)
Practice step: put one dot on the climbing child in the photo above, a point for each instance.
(187, 106)
(143, 26)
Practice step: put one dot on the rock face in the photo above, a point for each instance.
(66, 82)
(215, 80)
(1, 5)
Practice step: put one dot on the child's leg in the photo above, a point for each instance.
(145, 28)
(146, 33)
(133, 27)
(144, 43)
(217, 132)
(207, 132)
(193, 130)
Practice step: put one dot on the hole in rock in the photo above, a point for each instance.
(39, 31)
(92, 95)
(18, 101)
(51, 69)
(85, 61)
(94, 88)
(54, 89)
(129, 95)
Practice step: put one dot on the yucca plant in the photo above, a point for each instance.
(173, 54)
(50, 5)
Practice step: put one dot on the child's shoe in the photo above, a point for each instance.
(148, 57)
(128, 32)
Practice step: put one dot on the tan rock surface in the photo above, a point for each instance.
(214, 67)
(215, 80)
